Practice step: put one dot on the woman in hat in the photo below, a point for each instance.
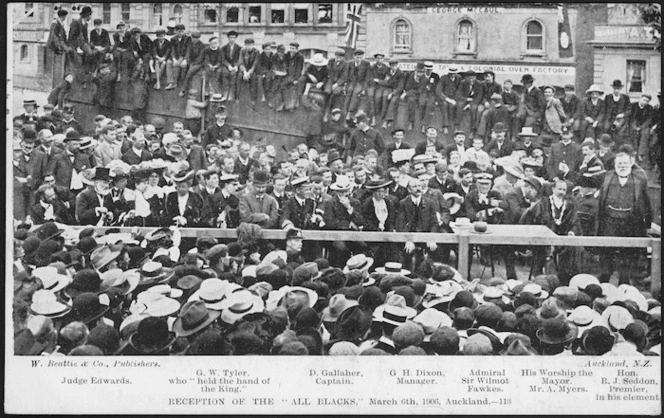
(183, 208)
(379, 211)
(592, 113)
(147, 207)
(59, 93)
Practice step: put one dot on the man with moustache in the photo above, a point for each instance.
(259, 207)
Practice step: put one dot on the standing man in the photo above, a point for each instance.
(57, 34)
(554, 117)
(397, 136)
(413, 84)
(592, 113)
(624, 211)
(219, 131)
(572, 106)
(565, 158)
(532, 105)
(499, 143)
(364, 138)
(447, 91)
(430, 141)
(616, 105)
(46, 139)
(358, 80)
(230, 67)
(107, 150)
(29, 169)
(248, 63)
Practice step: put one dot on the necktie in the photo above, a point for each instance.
(416, 217)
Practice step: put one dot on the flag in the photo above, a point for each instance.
(353, 16)
(565, 48)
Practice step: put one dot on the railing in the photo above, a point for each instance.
(463, 239)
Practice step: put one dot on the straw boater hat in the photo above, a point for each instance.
(318, 60)
(527, 131)
(154, 304)
(213, 292)
(241, 303)
(152, 273)
(51, 280)
(394, 311)
(393, 268)
(45, 302)
(358, 262)
(125, 281)
(440, 292)
(343, 183)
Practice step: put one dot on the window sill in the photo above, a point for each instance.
(472, 54)
(533, 54)
(401, 51)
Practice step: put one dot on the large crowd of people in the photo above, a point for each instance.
(575, 166)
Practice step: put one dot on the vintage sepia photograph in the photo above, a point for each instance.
(189, 181)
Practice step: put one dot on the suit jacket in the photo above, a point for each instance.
(491, 88)
(86, 202)
(162, 50)
(53, 152)
(421, 147)
(336, 216)
(131, 158)
(180, 46)
(124, 43)
(215, 134)
(295, 65)
(298, 215)
(378, 72)
(514, 204)
(213, 205)
(613, 108)
(243, 170)
(61, 167)
(588, 109)
(120, 202)
(473, 206)
(534, 101)
(393, 81)
(453, 147)
(337, 71)
(60, 213)
(359, 73)
(448, 86)
(230, 55)
(250, 206)
(392, 146)
(264, 63)
(195, 51)
(319, 73)
(57, 37)
(141, 48)
(540, 214)
(193, 212)
(443, 187)
(35, 167)
(642, 209)
(249, 59)
(104, 154)
(571, 106)
(362, 141)
(569, 154)
(504, 151)
(411, 85)
(431, 82)
(369, 214)
(594, 163)
(408, 219)
(474, 91)
(78, 33)
(640, 117)
(100, 39)
(196, 158)
(555, 115)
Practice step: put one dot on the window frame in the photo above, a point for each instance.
(473, 37)
(34, 10)
(26, 48)
(309, 14)
(248, 15)
(644, 79)
(393, 36)
(106, 13)
(153, 15)
(225, 14)
(317, 21)
(524, 39)
(204, 21)
(284, 9)
(128, 12)
(174, 16)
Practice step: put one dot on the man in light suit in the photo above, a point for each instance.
(107, 150)
(259, 207)
(554, 117)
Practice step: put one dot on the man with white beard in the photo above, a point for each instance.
(624, 211)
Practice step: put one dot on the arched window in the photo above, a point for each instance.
(177, 13)
(24, 53)
(402, 37)
(534, 36)
(465, 37)
(157, 15)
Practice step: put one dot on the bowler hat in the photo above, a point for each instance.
(557, 331)
(62, 13)
(527, 78)
(152, 336)
(617, 84)
(86, 11)
(499, 127)
(261, 178)
(87, 307)
(72, 136)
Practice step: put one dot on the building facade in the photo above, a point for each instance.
(509, 39)
(625, 51)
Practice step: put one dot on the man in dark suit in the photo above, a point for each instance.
(93, 205)
(248, 78)
(300, 211)
(122, 50)
(377, 72)
(459, 145)
(430, 141)
(194, 58)
(137, 153)
(183, 208)
(416, 214)
(294, 65)
(337, 74)
(230, 66)
(220, 209)
(57, 35)
(470, 102)
(499, 143)
(78, 38)
(67, 166)
(195, 153)
(358, 81)
(180, 44)
(447, 93)
(639, 120)
(428, 101)
(397, 136)
(218, 132)
(29, 170)
(161, 53)
(414, 83)
(244, 163)
(48, 207)
(616, 106)
(533, 104)
(624, 211)
(141, 48)
(442, 180)
(45, 137)
(565, 158)
(392, 87)
(100, 42)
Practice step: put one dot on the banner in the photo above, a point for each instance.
(565, 48)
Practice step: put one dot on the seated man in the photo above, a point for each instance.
(49, 207)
